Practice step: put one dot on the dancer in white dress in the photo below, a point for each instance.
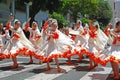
(17, 45)
(80, 37)
(96, 43)
(57, 45)
(113, 54)
(66, 32)
(106, 31)
(35, 36)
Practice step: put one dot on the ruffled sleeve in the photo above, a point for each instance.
(8, 25)
(16, 35)
(92, 34)
(55, 35)
(38, 37)
(73, 37)
(84, 32)
(106, 31)
(115, 39)
(45, 25)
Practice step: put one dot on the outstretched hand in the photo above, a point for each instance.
(28, 20)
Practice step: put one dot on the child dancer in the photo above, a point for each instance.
(96, 43)
(56, 45)
(35, 36)
(113, 55)
(106, 31)
(66, 32)
(80, 38)
(18, 44)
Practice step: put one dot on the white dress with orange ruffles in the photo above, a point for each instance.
(57, 46)
(112, 53)
(17, 45)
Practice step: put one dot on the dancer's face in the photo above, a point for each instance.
(17, 25)
(54, 26)
(109, 25)
(77, 25)
(94, 28)
(67, 32)
(34, 26)
(118, 27)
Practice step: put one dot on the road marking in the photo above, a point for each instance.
(99, 73)
(18, 70)
(26, 57)
(7, 63)
(50, 75)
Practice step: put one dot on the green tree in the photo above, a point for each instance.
(79, 6)
(60, 18)
(98, 9)
(37, 5)
(104, 12)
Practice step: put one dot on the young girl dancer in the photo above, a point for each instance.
(80, 38)
(66, 32)
(96, 43)
(106, 31)
(113, 55)
(18, 44)
(56, 45)
(35, 36)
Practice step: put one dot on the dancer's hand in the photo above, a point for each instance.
(109, 25)
(28, 20)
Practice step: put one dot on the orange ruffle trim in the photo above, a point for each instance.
(21, 51)
(98, 60)
(104, 62)
(57, 55)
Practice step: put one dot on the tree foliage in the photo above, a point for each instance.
(37, 5)
(60, 18)
(98, 9)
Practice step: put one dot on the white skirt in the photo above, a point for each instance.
(110, 54)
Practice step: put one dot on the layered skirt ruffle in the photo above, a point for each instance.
(109, 55)
(14, 49)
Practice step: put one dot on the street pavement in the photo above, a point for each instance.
(35, 71)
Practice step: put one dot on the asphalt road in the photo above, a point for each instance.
(35, 71)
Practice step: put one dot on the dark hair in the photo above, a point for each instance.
(118, 23)
(96, 26)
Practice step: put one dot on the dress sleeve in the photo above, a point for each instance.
(38, 36)
(45, 25)
(16, 35)
(106, 31)
(8, 26)
(55, 35)
(92, 34)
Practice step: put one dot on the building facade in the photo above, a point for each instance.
(9, 6)
(115, 4)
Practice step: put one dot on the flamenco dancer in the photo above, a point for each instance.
(35, 36)
(79, 35)
(56, 45)
(17, 45)
(113, 55)
(96, 43)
